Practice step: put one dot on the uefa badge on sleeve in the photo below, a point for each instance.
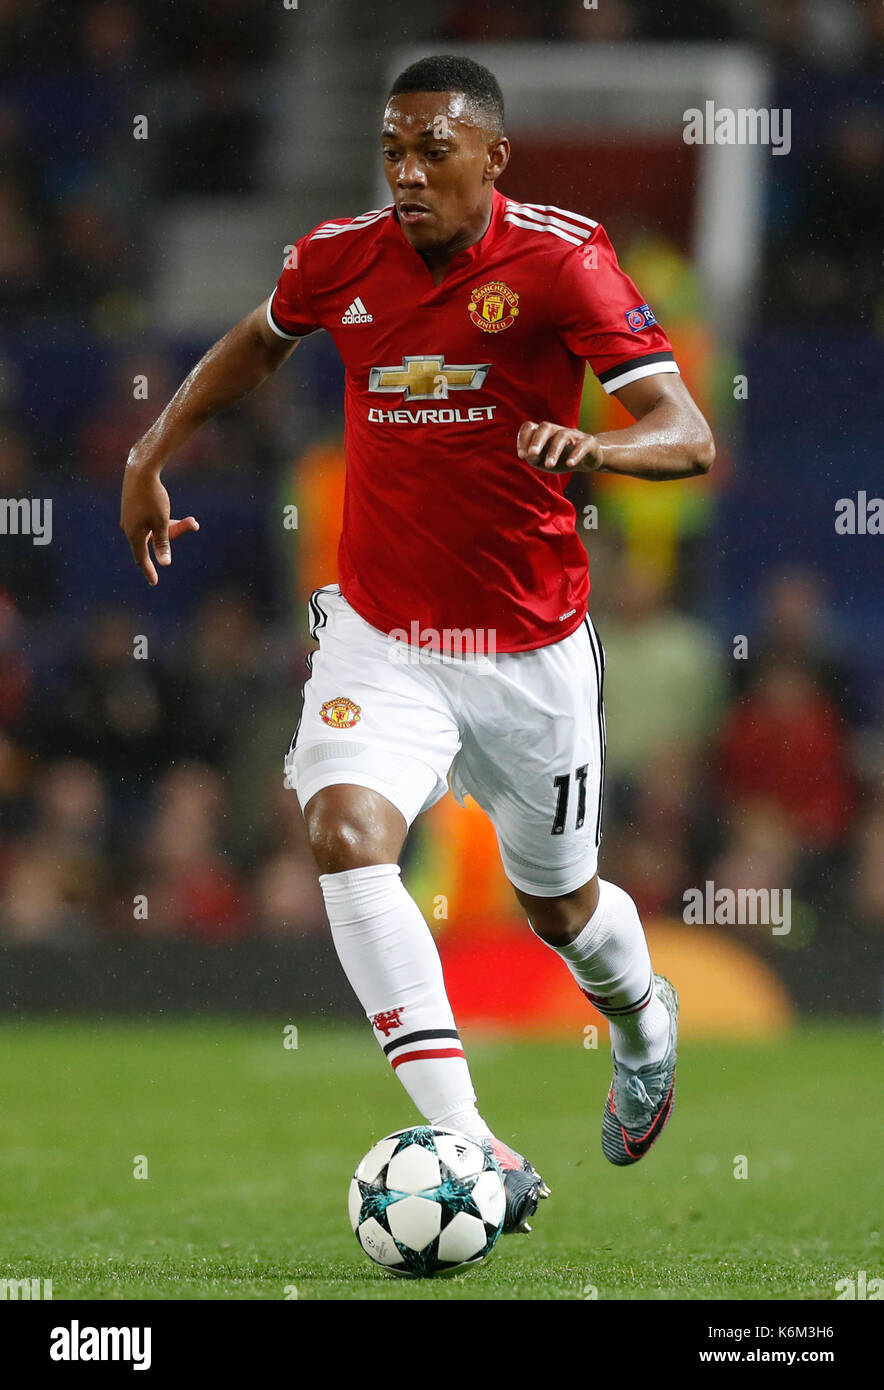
(641, 317)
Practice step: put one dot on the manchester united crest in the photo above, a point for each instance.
(494, 307)
(340, 713)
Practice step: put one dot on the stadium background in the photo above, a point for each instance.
(125, 779)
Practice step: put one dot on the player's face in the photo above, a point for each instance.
(440, 165)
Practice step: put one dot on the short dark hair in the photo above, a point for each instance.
(445, 72)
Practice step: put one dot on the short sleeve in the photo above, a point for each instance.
(288, 308)
(605, 319)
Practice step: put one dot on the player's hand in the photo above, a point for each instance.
(144, 516)
(554, 449)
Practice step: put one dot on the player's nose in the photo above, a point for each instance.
(411, 175)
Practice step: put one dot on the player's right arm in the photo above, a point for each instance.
(237, 363)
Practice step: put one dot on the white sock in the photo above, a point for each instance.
(390, 958)
(611, 964)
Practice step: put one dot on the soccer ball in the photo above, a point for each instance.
(427, 1201)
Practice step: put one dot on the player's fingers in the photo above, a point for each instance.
(539, 439)
(584, 450)
(558, 448)
(178, 528)
(160, 541)
(141, 555)
(523, 438)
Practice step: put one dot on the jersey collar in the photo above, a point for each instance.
(461, 259)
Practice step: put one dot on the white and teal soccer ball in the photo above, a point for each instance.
(427, 1201)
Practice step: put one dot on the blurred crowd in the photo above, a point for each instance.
(73, 200)
(745, 759)
(143, 794)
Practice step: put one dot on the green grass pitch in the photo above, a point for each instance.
(250, 1147)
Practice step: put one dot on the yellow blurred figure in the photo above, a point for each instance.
(655, 519)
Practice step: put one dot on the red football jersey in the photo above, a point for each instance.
(445, 527)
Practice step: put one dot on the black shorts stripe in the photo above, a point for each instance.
(317, 619)
(598, 657)
(647, 360)
(423, 1036)
(319, 615)
(604, 748)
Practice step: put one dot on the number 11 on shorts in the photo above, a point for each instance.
(562, 785)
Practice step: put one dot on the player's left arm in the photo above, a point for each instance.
(670, 437)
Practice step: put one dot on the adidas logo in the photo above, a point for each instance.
(357, 313)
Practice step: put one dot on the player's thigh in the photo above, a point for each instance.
(369, 718)
(533, 757)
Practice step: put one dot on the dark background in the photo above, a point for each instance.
(163, 777)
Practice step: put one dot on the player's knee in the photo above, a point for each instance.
(555, 931)
(559, 920)
(349, 832)
(549, 919)
(343, 842)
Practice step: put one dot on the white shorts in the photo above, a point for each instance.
(523, 733)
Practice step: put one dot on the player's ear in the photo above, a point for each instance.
(497, 158)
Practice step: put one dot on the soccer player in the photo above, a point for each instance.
(456, 651)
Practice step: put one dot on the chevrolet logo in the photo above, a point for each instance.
(428, 378)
